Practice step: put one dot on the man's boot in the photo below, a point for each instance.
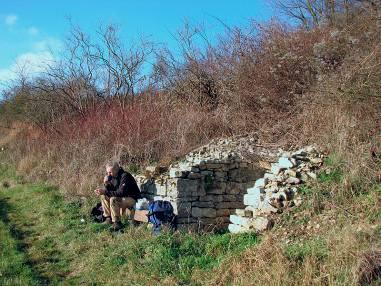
(116, 226)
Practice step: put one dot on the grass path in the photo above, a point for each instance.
(33, 232)
(15, 269)
(44, 241)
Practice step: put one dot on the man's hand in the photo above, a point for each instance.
(99, 192)
(106, 180)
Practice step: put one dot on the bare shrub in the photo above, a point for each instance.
(312, 13)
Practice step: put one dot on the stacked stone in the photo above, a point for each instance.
(209, 184)
(276, 190)
(244, 147)
(205, 194)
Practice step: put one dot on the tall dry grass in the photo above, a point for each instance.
(272, 263)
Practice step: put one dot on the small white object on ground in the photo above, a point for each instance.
(142, 204)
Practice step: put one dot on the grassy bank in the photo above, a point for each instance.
(44, 241)
(332, 238)
(49, 240)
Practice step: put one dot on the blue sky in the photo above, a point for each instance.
(33, 31)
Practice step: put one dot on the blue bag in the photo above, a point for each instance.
(161, 213)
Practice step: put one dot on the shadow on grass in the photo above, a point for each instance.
(19, 236)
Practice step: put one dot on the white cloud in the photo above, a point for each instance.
(6, 75)
(29, 64)
(33, 31)
(11, 19)
(49, 44)
(34, 62)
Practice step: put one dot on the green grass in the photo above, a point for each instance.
(44, 242)
(300, 251)
(334, 164)
(14, 268)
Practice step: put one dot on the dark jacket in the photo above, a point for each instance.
(125, 186)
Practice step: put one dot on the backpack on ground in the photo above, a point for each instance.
(97, 213)
(160, 213)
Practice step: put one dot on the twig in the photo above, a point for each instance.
(340, 208)
(5, 127)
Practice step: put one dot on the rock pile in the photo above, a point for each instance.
(276, 190)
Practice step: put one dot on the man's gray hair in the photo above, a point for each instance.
(113, 164)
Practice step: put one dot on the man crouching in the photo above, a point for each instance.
(120, 192)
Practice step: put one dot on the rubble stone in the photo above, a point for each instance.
(285, 163)
(251, 200)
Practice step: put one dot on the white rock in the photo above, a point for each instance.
(309, 149)
(151, 169)
(270, 177)
(285, 163)
(293, 181)
(298, 201)
(253, 210)
(255, 190)
(275, 169)
(316, 160)
(247, 224)
(239, 220)
(262, 223)
(286, 155)
(312, 175)
(260, 183)
(272, 189)
(251, 200)
(235, 228)
(266, 208)
(290, 173)
(142, 204)
(240, 212)
(304, 177)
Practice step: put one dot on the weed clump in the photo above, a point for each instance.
(6, 184)
(369, 268)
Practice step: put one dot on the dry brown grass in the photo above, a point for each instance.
(339, 261)
(369, 267)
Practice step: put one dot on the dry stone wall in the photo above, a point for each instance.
(233, 183)
(209, 184)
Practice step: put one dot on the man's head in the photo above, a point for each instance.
(112, 168)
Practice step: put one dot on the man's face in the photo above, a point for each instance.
(112, 171)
